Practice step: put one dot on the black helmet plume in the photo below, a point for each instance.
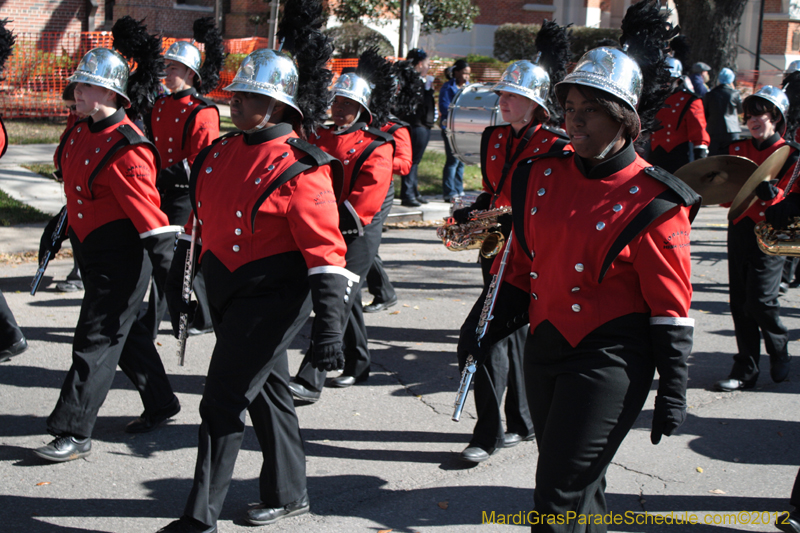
(646, 30)
(132, 41)
(791, 86)
(374, 68)
(410, 88)
(204, 31)
(553, 42)
(7, 40)
(681, 50)
(299, 32)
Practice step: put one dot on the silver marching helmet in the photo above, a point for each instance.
(608, 70)
(675, 67)
(776, 97)
(270, 73)
(355, 88)
(185, 53)
(526, 79)
(793, 66)
(104, 68)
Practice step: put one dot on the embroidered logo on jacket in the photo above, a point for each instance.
(678, 239)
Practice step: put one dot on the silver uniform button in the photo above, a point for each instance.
(238, 214)
(535, 150)
(763, 203)
(79, 130)
(258, 180)
(575, 289)
(169, 150)
(576, 308)
(156, 139)
(80, 215)
(534, 296)
(199, 203)
(97, 150)
(176, 120)
(208, 170)
(80, 202)
(224, 143)
(494, 157)
(534, 275)
(737, 148)
(158, 118)
(540, 192)
(86, 162)
(238, 231)
(579, 267)
(200, 221)
(108, 140)
(346, 161)
(544, 141)
(170, 160)
(547, 172)
(633, 190)
(271, 167)
(499, 135)
(497, 145)
(170, 139)
(533, 211)
(182, 111)
(761, 214)
(351, 151)
(72, 141)
(78, 188)
(285, 155)
(348, 290)
(600, 225)
(216, 155)
(235, 247)
(530, 161)
(617, 208)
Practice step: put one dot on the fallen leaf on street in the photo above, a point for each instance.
(443, 505)
(42, 483)
(717, 491)
(699, 469)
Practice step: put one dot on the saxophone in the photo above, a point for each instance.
(482, 230)
(779, 242)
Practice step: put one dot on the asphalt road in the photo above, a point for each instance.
(383, 455)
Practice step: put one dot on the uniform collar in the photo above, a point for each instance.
(617, 162)
(355, 126)
(191, 91)
(117, 117)
(268, 134)
(533, 124)
(766, 143)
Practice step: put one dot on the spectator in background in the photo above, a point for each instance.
(453, 171)
(420, 123)
(723, 105)
(699, 78)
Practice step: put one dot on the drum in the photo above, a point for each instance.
(473, 109)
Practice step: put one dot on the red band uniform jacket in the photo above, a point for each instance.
(683, 121)
(628, 236)
(182, 124)
(401, 164)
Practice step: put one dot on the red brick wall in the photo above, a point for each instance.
(772, 6)
(776, 37)
(498, 12)
(34, 16)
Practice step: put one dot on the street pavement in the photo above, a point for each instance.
(383, 455)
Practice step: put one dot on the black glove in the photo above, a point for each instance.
(349, 224)
(783, 213)
(173, 290)
(700, 152)
(48, 242)
(481, 203)
(173, 177)
(671, 347)
(505, 222)
(328, 293)
(160, 249)
(766, 191)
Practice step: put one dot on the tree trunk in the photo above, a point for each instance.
(712, 29)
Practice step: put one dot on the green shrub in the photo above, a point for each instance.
(352, 39)
(584, 39)
(233, 61)
(516, 41)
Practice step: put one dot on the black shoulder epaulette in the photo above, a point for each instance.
(320, 157)
(387, 137)
(207, 102)
(398, 123)
(793, 144)
(556, 131)
(130, 137)
(687, 195)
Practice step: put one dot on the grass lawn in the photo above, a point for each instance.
(43, 169)
(13, 212)
(35, 131)
(430, 175)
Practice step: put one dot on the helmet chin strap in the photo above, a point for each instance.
(266, 118)
(346, 126)
(604, 153)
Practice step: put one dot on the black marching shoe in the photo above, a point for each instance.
(65, 448)
(779, 368)
(422, 200)
(13, 350)
(410, 203)
(342, 382)
(302, 393)
(788, 522)
(261, 516)
(731, 384)
(474, 454)
(378, 305)
(512, 439)
(187, 525)
(150, 421)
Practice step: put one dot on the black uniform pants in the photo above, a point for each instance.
(378, 282)
(9, 330)
(116, 271)
(674, 159)
(176, 204)
(754, 285)
(409, 184)
(502, 369)
(360, 255)
(584, 400)
(257, 311)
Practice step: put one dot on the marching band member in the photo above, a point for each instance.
(754, 277)
(407, 94)
(360, 107)
(12, 341)
(180, 125)
(682, 137)
(117, 232)
(600, 265)
(266, 211)
(526, 101)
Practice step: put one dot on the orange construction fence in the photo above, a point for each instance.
(37, 71)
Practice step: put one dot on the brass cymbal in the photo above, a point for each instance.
(717, 178)
(768, 170)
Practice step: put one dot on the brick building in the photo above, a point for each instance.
(780, 42)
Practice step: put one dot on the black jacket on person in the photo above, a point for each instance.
(425, 114)
(722, 105)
